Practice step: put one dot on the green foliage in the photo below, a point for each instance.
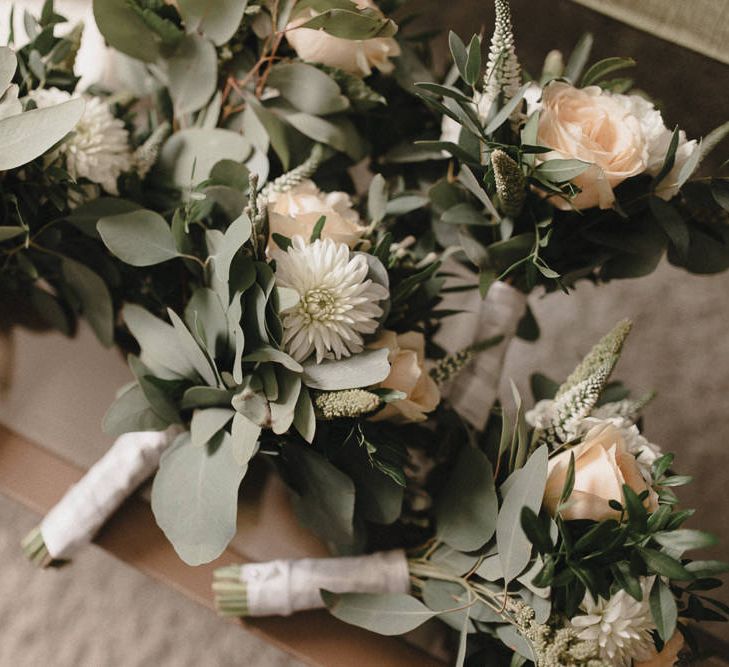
(467, 509)
(196, 482)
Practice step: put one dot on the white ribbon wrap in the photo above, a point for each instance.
(475, 389)
(281, 587)
(74, 521)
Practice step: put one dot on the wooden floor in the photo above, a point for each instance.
(37, 479)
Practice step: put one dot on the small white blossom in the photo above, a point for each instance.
(337, 302)
(621, 626)
(98, 149)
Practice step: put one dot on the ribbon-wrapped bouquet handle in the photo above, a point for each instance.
(282, 587)
(89, 503)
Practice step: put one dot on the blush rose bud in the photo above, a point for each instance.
(602, 465)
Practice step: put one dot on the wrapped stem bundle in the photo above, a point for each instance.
(473, 391)
(282, 587)
(88, 504)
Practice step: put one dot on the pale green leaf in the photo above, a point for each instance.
(195, 498)
(191, 349)
(192, 74)
(526, 489)
(235, 236)
(155, 338)
(131, 412)
(188, 156)
(560, 171)
(244, 437)
(94, 298)
(467, 508)
(307, 88)
(360, 370)
(208, 422)
(139, 238)
(25, 136)
(349, 24)
(384, 613)
(324, 495)
(217, 19)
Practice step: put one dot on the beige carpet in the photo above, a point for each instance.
(101, 613)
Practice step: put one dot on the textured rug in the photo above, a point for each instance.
(101, 613)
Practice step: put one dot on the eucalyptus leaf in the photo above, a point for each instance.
(216, 19)
(441, 596)
(195, 498)
(8, 65)
(86, 216)
(94, 297)
(377, 198)
(283, 408)
(308, 88)
(360, 370)
(304, 416)
(324, 496)
(467, 509)
(206, 397)
(458, 53)
(191, 349)
(525, 490)
(205, 314)
(349, 24)
(192, 74)
(131, 412)
(672, 224)
(268, 353)
(154, 337)
(510, 637)
(188, 156)
(206, 423)
(560, 171)
(25, 136)
(125, 30)
(237, 234)
(244, 438)
(154, 391)
(384, 613)
(139, 238)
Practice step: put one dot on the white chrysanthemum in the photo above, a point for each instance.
(99, 149)
(337, 302)
(621, 626)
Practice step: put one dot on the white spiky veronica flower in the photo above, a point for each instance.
(98, 149)
(621, 626)
(338, 304)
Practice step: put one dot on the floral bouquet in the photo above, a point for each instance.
(284, 217)
(561, 545)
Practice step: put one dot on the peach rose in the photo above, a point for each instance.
(620, 135)
(357, 57)
(408, 375)
(297, 211)
(668, 656)
(603, 464)
(590, 124)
